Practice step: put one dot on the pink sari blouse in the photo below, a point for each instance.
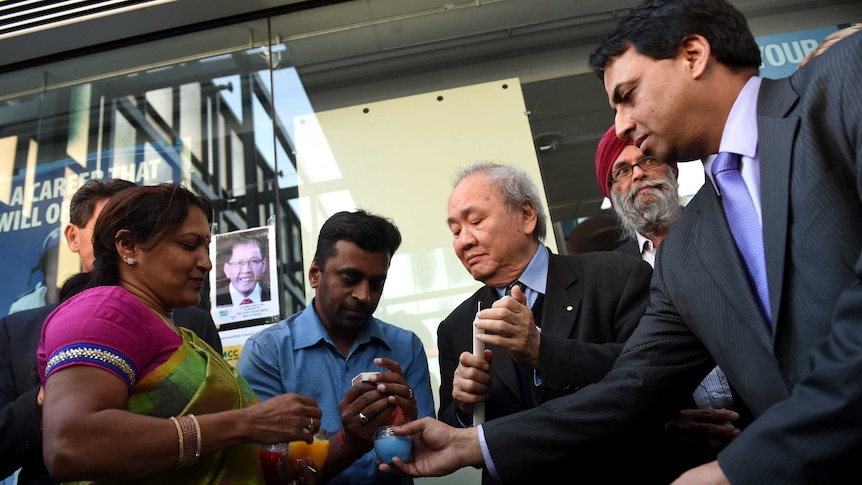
(109, 328)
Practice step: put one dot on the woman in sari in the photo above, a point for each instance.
(129, 396)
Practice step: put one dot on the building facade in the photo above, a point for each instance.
(282, 113)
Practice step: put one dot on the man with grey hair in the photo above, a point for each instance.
(566, 323)
(643, 191)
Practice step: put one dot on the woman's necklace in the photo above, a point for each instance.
(169, 322)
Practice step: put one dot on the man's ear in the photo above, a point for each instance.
(314, 274)
(695, 51)
(528, 213)
(72, 237)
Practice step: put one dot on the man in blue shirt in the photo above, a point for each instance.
(318, 351)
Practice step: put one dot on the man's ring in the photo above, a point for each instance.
(363, 419)
(293, 482)
(409, 393)
(310, 427)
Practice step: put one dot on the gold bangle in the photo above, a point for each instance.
(191, 446)
(179, 438)
(198, 436)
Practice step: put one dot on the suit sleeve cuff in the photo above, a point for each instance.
(486, 453)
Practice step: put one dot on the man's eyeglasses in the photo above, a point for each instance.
(251, 263)
(623, 173)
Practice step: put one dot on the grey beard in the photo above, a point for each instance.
(653, 219)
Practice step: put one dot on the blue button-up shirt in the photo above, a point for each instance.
(297, 355)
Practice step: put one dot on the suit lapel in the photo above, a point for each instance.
(558, 318)
(713, 238)
(629, 247)
(561, 305)
(775, 148)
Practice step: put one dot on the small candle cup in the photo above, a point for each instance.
(318, 450)
(269, 458)
(388, 445)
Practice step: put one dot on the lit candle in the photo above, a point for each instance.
(478, 350)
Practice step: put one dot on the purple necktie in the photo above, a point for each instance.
(743, 221)
(246, 301)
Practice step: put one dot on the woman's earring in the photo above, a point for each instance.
(130, 261)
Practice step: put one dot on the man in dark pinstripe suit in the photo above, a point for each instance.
(645, 196)
(682, 78)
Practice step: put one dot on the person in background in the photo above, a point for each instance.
(644, 193)
(45, 292)
(20, 433)
(114, 364)
(246, 263)
(318, 351)
(681, 76)
(579, 309)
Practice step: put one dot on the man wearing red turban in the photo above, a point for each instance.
(645, 193)
(609, 151)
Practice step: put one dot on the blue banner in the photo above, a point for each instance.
(34, 207)
(781, 53)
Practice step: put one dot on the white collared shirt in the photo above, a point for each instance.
(646, 249)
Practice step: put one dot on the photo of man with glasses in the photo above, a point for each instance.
(245, 261)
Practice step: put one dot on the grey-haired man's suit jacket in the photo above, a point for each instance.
(592, 304)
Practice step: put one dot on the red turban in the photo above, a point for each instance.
(609, 150)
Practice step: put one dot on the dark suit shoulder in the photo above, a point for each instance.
(679, 237)
(629, 247)
(16, 322)
(470, 302)
(599, 260)
(466, 309)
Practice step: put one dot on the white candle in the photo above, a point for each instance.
(478, 350)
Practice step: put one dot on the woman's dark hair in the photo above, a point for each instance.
(148, 214)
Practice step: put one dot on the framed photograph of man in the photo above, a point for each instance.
(243, 277)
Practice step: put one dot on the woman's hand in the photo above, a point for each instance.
(284, 418)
